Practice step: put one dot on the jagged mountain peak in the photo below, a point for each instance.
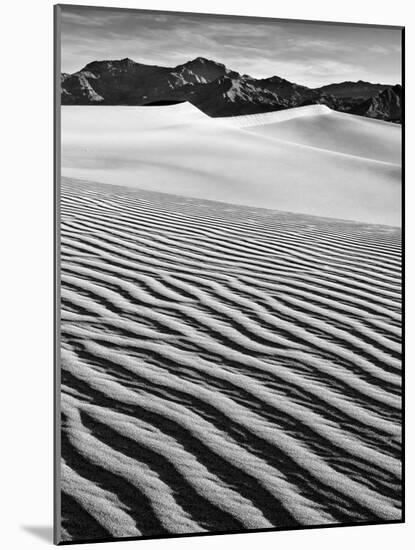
(127, 61)
(217, 90)
(275, 78)
(203, 61)
(386, 105)
(200, 71)
(201, 64)
(110, 65)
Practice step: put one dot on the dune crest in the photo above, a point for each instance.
(319, 127)
(293, 164)
(244, 121)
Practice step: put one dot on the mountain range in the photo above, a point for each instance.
(219, 91)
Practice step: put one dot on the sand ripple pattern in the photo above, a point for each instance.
(224, 367)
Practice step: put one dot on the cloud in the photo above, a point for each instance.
(311, 54)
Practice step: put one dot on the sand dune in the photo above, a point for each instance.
(225, 367)
(309, 160)
(318, 126)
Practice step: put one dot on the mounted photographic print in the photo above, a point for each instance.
(228, 274)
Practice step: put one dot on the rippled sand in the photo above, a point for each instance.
(224, 367)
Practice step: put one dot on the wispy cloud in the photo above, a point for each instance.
(311, 54)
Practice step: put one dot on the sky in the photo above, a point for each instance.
(312, 54)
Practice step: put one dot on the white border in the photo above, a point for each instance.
(27, 273)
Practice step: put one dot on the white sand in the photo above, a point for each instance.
(224, 367)
(319, 126)
(310, 159)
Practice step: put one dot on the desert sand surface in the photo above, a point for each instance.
(227, 367)
(307, 160)
(318, 126)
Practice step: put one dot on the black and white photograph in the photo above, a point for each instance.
(229, 210)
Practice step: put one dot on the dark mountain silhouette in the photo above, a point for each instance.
(359, 89)
(387, 105)
(215, 89)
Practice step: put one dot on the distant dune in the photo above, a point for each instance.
(318, 126)
(227, 367)
(310, 159)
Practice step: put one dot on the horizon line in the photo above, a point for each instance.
(245, 74)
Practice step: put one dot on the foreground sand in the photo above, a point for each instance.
(224, 367)
(310, 160)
